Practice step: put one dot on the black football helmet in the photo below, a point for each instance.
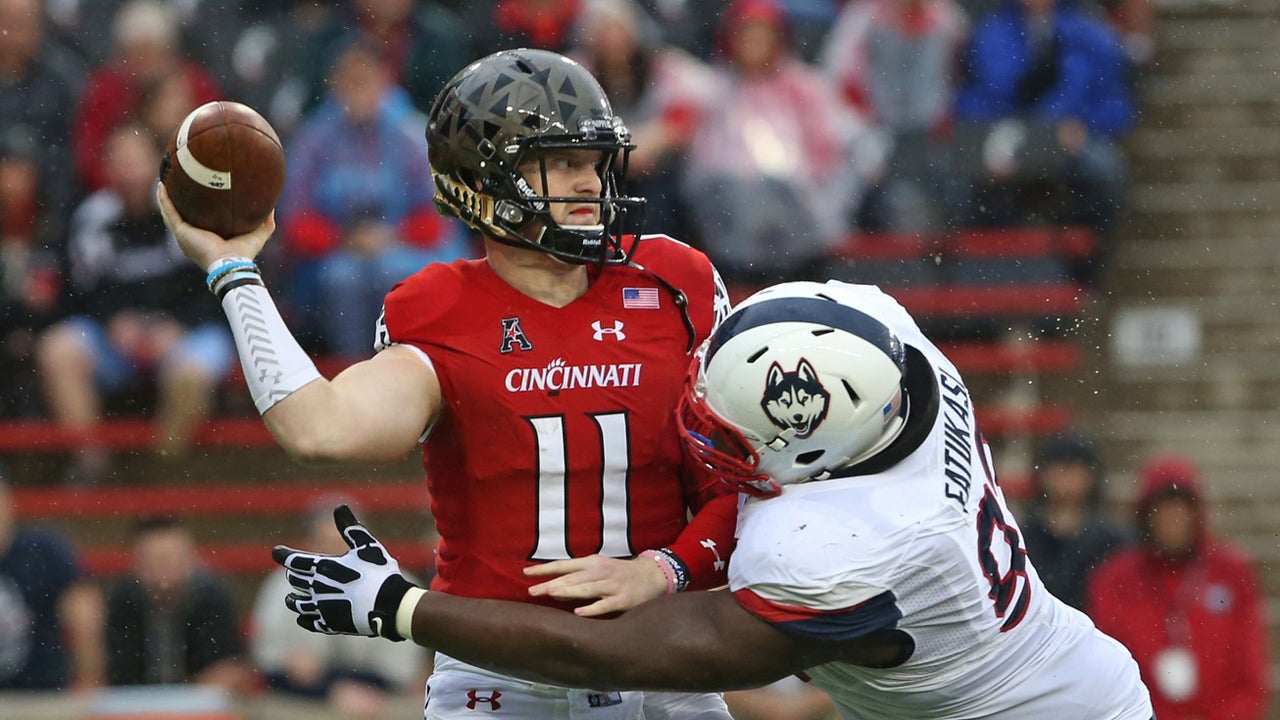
(496, 111)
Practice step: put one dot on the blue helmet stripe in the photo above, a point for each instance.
(808, 310)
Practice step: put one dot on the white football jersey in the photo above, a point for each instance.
(927, 546)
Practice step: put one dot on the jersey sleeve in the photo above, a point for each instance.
(880, 612)
(706, 542)
(414, 305)
(801, 573)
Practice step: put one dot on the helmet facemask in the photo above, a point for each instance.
(514, 106)
(527, 215)
(716, 444)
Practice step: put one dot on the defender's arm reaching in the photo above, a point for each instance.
(696, 641)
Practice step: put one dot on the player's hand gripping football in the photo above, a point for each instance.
(357, 593)
(205, 247)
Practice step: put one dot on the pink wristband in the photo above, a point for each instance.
(667, 571)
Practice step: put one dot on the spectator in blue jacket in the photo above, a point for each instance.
(1047, 60)
(1048, 86)
(50, 612)
(357, 213)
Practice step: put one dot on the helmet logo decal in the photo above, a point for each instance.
(513, 336)
(795, 400)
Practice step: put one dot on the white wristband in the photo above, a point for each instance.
(404, 614)
(274, 363)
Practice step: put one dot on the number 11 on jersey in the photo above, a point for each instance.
(553, 489)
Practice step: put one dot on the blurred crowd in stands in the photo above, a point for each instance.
(768, 132)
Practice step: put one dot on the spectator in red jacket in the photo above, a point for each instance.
(1186, 604)
(145, 37)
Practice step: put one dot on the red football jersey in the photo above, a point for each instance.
(558, 437)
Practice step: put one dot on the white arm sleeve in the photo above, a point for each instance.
(274, 363)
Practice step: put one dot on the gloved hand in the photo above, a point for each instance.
(357, 593)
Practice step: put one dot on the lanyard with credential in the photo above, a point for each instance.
(1175, 666)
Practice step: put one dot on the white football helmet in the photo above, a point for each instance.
(793, 385)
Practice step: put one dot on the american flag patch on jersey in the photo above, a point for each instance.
(640, 298)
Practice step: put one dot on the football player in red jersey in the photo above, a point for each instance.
(541, 379)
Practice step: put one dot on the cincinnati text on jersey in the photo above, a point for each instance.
(558, 375)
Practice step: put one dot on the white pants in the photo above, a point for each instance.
(457, 690)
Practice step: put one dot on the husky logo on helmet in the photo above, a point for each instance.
(827, 414)
(795, 400)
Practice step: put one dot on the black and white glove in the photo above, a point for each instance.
(359, 593)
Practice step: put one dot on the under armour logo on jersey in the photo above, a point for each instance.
(601, 331)
(711, 545)
(491, 699)
(513, 336)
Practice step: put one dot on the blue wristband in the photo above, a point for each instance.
(227, 265)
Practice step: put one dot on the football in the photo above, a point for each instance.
(224, 168)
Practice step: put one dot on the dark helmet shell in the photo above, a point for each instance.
(496, 111)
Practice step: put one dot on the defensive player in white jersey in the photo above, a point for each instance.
(876, 555)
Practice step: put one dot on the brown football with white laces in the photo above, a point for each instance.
(224, 168)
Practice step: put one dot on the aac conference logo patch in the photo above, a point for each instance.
(513, 337)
